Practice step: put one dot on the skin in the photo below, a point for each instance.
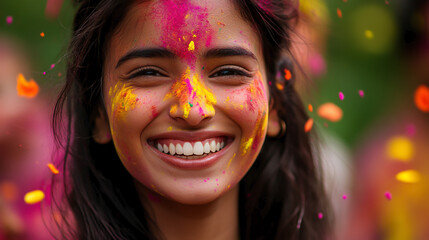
(186, 93)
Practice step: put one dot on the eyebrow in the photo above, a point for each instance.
(165, 53)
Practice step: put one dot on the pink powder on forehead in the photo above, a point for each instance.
(182, 22)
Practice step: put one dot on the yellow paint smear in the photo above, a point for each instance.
(230, 160)
(34, 197)
(123, 98)
(408, 176)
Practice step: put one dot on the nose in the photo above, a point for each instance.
(192, 101)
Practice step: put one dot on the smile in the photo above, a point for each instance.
(184, 150)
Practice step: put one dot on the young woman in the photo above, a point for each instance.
(182, 126)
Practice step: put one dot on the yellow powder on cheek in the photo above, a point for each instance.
(122, 98)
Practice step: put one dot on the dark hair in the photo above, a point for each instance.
(279, 197)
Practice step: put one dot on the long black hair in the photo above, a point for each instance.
(279, 197)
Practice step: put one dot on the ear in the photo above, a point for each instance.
(101, 131)
(274, 127)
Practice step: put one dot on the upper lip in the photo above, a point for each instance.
(190, 135)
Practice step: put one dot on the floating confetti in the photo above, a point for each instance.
(310, 107)
(26, 88)
(9, 19)
(44, 73)
(34, 197)
(408, 176)
(52, 66)
(330, 111)
(339, 13)
(369, 34)
(320, 215)
(388, 195)
(288, 74)
(421, 98)
(400, 148)
(361, 93)
(280, 86)
(191, 46)
(344, 196)
(341, 95)
(53, 169)
(308, 125)
(42, 34)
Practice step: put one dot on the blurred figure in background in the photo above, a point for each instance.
(391, 194)
(25, 148)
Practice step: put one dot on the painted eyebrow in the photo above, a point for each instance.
(146, 53)
(229, 52)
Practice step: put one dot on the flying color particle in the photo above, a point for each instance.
(400, 148)
(408, 176)
(53, 169)
(288, 74)
(9, 19)
(310, 107)
(361, 93)
(339, 13)
(320, 215)
(34, 197)
(369, 34)
(421, 98)
(280, 86)
(308, 125)
(191, 46)
(388, 195)
(42, 34)
(341, 95)
(52, 66)
(26, 88)
(344, 196)
(330, 111)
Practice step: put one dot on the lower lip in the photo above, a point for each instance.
(191, 164)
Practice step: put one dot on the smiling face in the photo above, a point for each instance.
(186, 97)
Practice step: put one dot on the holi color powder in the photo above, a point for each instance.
(123, 98)
(310, 107)
(421, 98)
(320, 215)
(341, 96)
(339, 13)
(288, 74)
(388, 195)
(361, 93)
(330, 111)
(25, 88)
(408, 176)
(52, 66)
(9, 191)
(308, 125)
(53, 169)
(344, 196)
(9, 20)
(34, 197)
(400, 148)
(42, 34)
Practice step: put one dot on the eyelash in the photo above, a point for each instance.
(234, 71)
(143, 72)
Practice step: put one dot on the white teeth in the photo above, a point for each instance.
(159, 147)
(172, 149)
(206, 147)
(222, 144)
(179, 149)
(198, 148)
(165, 148)
(213, 146)
(187, 149)
(217, 146)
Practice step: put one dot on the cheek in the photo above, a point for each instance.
(128, 117)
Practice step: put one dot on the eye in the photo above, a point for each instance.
(229, 72)
(146, 72)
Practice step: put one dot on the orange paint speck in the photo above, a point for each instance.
(330, 111)
(42, 34)
(280, 86)
(421, 98)
(53, 169)
(25, 88)
(339, 13)
(308, 125)
(288, 74)
(310, 107)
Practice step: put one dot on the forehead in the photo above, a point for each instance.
(174, 24)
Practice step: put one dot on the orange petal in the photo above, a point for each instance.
(308, 125)
(53, 169)
(330, 111)
(26, 88)
(421, 98)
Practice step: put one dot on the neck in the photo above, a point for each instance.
(217, 220)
